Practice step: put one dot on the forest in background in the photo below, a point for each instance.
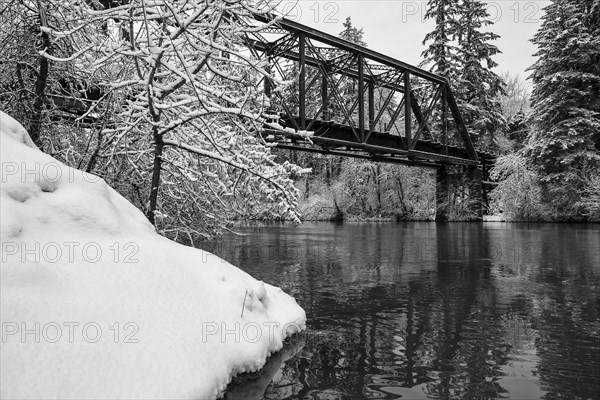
(547, 139)
(176, 131)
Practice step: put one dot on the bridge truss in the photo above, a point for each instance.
(356, 102)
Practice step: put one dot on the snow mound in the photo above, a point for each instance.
(95, 304)
(13, 129)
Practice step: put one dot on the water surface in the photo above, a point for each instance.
(426, 311)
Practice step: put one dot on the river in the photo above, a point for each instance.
(420, 310)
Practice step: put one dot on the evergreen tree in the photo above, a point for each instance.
(564, 144)
(352, 34)
(461, 52)
(348, 88)
(517, 129)
(440, 55)
(478, 86)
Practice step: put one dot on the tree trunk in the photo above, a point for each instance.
(92, 162)
(153, 199)
(328, 171)
(40, 84)
(403, 208)
(306, 187)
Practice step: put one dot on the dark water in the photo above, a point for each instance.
(419, 310)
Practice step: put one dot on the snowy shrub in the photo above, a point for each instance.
(375, 190)
(458, 202)
(518, 195)
(590, 196)
(176, 121)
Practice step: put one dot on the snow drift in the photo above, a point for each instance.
(95, 304)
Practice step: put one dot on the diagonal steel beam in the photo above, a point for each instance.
(422, 119)
(334, 87)
(334, 41)
(385, 106)
(460, 124)
(312, 61)
(326, 96)
(355, 103)
(328, 74)
(394, 117)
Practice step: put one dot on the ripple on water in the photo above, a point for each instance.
(470, 311)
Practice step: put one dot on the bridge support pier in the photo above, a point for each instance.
(476, 191)
(442, 193)
(459, 193)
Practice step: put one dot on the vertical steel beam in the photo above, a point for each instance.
(445, 121)
(371, 104)
(361, 97)
(407, 107)
(325, 96)
(302, 82)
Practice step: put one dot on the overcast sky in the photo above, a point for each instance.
(397, 28)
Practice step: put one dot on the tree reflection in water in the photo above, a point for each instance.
(419, 310)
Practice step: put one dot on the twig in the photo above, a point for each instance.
(244, 305)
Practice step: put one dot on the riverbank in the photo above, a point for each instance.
(96, 304)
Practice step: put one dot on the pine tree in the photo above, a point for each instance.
(478, 86)
(348, 88)
(440, 55)
(352, 34)
(461, 52)
(564, 144)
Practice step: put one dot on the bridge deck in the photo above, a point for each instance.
(338, 139)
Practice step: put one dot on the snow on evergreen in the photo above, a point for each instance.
(565, 141)
(460, 49)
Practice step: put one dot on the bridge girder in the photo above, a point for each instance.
(387, 90)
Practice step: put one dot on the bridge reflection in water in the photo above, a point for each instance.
(423, 310)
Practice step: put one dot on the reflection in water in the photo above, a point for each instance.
(253, 386)
(419, 310)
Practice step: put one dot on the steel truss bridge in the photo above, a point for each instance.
(348, 100)
(360, 103)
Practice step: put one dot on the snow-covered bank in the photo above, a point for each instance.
(494, 218)
(95, 304)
